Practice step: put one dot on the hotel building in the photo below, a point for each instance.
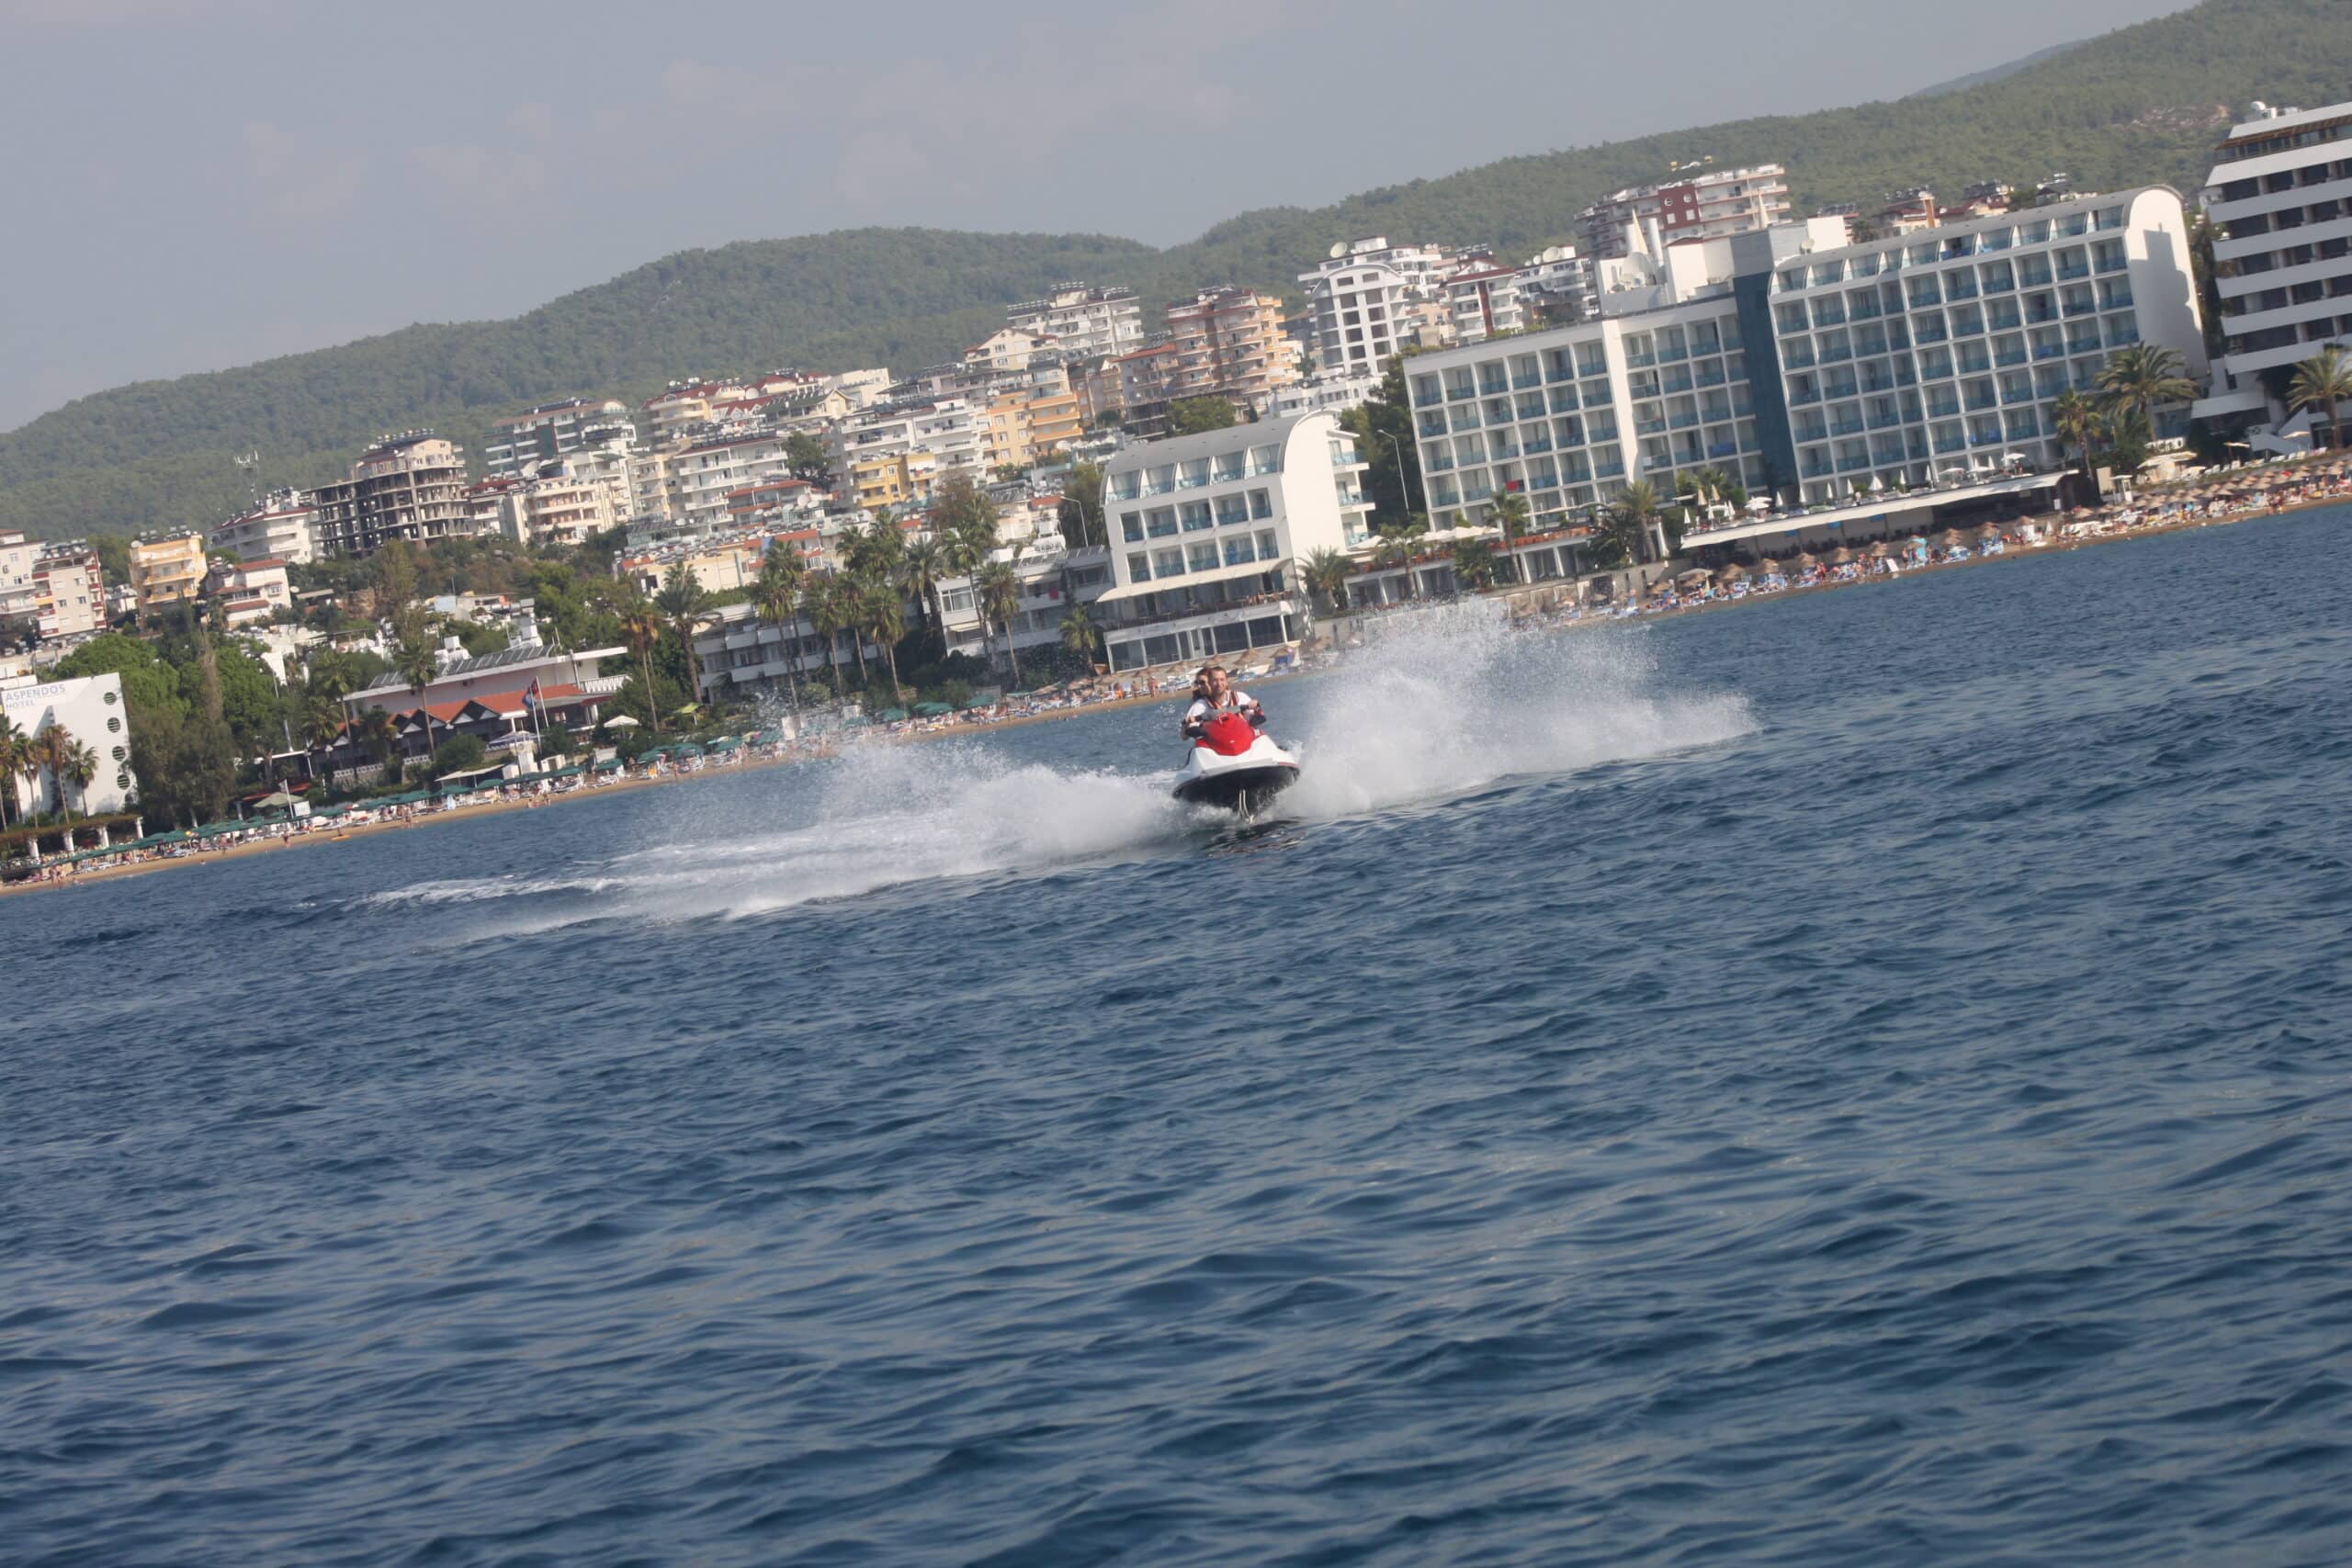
(92, 711)
(1814, 371)
(2280, 198)
(1207, 532)
(166, 571)
(1709, 206)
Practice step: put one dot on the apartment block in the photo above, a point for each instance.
(2280, 196)
(166, 571)
(69, 592)
(1228, 343)
(250, 591)
(1207, 532)
(19, 592)
(406, 487)
(1483, 300)
(1361, 301)
(1811, 370)
(1024, 427)
(283, 526)
(1082, 322)
(1711, 204)
(550, 430)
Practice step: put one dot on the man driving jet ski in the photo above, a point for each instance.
(1214, 694)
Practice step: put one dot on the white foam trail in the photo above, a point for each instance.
(1460, 701)
(1451, 706)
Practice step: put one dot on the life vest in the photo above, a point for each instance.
(1227, 734)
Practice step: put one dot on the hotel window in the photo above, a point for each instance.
(1203, 555)
(1139, 568)
(1131, 525)
(1238, 552)
(1163, 522)
(1267, 548)
(1265, 460)
(1168, 563)
(1195, 515)
(1261, 506)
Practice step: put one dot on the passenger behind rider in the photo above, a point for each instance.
(1213, 695)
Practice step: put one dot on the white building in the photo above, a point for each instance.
(1710, 204)
(19, 594)
(250, 591)
(1359, 301)
(1082, 322)
(285, 527)
(1559, 276)
(1325, 394)
(2280, 195)
(549, 430)
(1792, 366)
(92, 711)
(1051, 581)
(1207, 532)
(1483, 300)
(70, 591)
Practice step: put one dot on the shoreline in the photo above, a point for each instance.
(528, 803)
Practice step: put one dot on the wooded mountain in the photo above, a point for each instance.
(2144, 104)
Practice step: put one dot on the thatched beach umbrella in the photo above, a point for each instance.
(1989, 532)
(1951, 539)
(1695, 577)
(1803, 561)
(1732, 572)
(1841, 555)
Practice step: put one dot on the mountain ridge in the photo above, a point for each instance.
(2140, 105)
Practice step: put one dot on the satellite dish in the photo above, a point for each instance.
(1339, 249)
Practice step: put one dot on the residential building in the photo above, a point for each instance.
(70, 593)
(895, 478)
(1709, 204)
(91, 710)
(1051, 580)
(1145, 378)
(862, 389)
(250, 591)
(719, 564)
(949, 429)
(1025, 427)
(561, 502)
(1325, 393)
(1228, 343)
(701, 476)
(776, 498)
(166, 571)
(500, 681)
(1207, 532)
(1482, 300)
(671, 413)
(1812, 370)
(1361, 299)
(19, 592)
(742, 654)
(284, 526)
(1083, 321)
(549, 430)
(405, 486)
(1556, 287)
(2280, 199)
(1009, 348)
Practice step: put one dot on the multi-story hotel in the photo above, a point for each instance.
(548, 431)
(1082, 322)
(166, 571)
(1813, 370)
(1208, 531)
(406, 487)
(90, 708)
(1709, 206)
(2280, 197)
(1361, 301)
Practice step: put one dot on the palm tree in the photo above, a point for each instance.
(80, 767)
(641, 630)
(2324, 381)
(322, 725)
(1079, 634)
(1474, 564)
(52, 752)
(882, 615)
(1510, 515)
(777, 596)
(1325, 571)
(379, 733)
(2140, 375)
(416, 664)
(825, 602)
(13, 747)
(1634, 516)
(2077, 420)
(999, 589)
(921, 568)
(683, 600)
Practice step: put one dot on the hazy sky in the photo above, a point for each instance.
(197, 183)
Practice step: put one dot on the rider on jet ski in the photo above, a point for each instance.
(1213, 694)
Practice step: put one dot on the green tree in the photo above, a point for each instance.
(2140, 375)
(14, 747)
(683, 600)
(1383, 427)
(415, 659)
(641, 630)
(999, 589)
(147, 681)
(881, 615)
(921, 569)
(1326, 573)
(1079, 634)
(1474, 564)
(775, 596)
(2077, 422)
(1081, 514)
(458, 754)
(1191, 416)
(79, 766)
(2322, 383)
(807, 457)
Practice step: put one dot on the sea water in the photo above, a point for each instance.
(1853, 1079)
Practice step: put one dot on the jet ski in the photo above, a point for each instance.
(1235, 767)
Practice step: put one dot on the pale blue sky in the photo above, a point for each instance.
(197, 183)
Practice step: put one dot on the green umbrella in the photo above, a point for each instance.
(725, 743)
(889, 716)
(933, 710)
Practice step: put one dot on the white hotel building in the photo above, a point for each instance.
(1811, 370)
(92, 710)
(1207, 532)
(2280, 196)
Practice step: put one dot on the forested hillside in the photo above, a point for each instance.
(2144, 104)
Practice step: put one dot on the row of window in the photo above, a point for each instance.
(1196, 472)
(1202, 555)
(1195, 516)
(1951, 247)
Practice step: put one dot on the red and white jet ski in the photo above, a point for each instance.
(1234, 766)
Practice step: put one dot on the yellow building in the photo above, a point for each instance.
(893, 481)
(1023, 427)
(166, 571)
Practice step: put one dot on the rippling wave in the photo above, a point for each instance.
(1856, 1079)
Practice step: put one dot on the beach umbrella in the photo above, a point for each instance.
(1803, 561)
(621, 721)
(933, 710)
(514, 742)
(652, 755)
(1990, 531)
(1759, 503)
(1841, 555)
(281, 801)
(1732, 572)
(890, 716)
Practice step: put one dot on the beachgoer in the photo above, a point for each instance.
(1214, 694)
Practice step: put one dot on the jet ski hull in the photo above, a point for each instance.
(1243, 782)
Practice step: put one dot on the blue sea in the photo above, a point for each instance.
(1862, 1078)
